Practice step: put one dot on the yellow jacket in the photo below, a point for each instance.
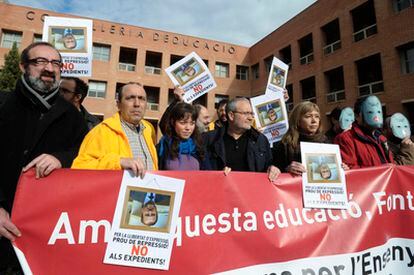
(105, 145)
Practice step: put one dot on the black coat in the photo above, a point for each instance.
(259, 156)
(3, 97)
(90, 120)
(283, 155)
(27, 131)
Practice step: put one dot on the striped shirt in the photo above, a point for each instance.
(137, 143)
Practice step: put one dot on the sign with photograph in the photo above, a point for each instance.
(192, 74)
(270, 115)
(144, 222)
(277, 76)
(72, 37)
(323, 183)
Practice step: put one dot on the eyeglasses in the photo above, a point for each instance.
(40, 61)
(244, 113)
(66, 91)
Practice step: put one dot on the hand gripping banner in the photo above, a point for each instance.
(236, 224)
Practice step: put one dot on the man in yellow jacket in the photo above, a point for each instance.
(123, 141)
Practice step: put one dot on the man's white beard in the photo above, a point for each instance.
(40, 86)
(201, 127)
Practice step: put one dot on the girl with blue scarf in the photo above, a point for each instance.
(180, 148)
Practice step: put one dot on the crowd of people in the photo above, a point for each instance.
(45, 127)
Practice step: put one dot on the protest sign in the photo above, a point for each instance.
(323, 183)
(277, 76)
(72, 37)
(145, 221)
(270, 115)
(192, 74)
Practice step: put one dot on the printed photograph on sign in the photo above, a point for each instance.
(147, 209)
(322, 168)
(188, 71)
(278, 76)
(269, 112)
(68, 39)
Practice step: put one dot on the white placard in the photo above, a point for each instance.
(277, 76)
(323, 183)
(145, 220)
(270, 115)
(192, 74)
(72, 37)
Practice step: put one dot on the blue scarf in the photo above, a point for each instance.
(186, 147)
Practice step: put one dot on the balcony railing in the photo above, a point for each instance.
(126, 67)
(152, 70)
(364, 33)
(371, 88)
(335, 96)
(152, 106)
(332, 47)
(306, 59)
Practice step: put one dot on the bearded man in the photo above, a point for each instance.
(39, 129)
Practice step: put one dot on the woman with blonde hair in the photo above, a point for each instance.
(304, 125)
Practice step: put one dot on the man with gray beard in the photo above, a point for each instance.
(203, 118)
(39, 129)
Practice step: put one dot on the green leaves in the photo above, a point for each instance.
(10, 72)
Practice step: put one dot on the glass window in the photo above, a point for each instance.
(37, 38)
(268, 63)
(97, 89)
(408, 60)
(242, 72)
(8, 38)
(222, 69)
(101, 52)
(400, 5)
(255, 71)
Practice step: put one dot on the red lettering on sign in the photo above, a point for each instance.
(198, 88)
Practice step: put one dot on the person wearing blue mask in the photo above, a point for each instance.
(364, 145)
(346, 119)
(397, 130)
(341, 120)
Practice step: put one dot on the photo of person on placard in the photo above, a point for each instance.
(147, 209)
(324, 171)
(278, 76)
(68, 39)
(322, 168)
(187, 71)
(149, 213)
(269, 113)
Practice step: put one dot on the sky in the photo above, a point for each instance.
(240, 22)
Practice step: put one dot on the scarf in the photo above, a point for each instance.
(186, 147)
(44, 102)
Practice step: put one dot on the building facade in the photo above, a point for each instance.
(337, 51)
(341, 50)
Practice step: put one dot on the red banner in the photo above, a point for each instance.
(239, 223)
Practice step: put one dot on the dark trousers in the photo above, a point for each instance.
(9, 265)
